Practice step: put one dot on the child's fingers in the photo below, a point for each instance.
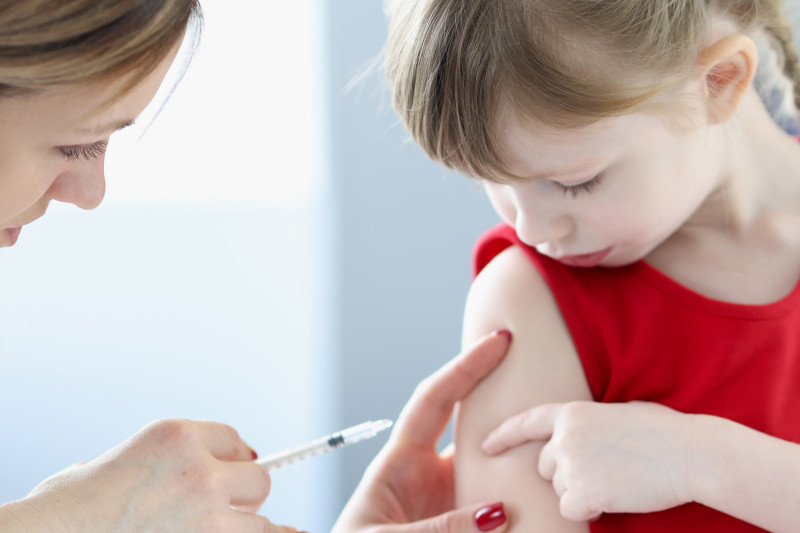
(533, 424)
(574, 506)
(547, 463)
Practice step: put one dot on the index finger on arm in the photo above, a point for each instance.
(427, 413)
(530, 425)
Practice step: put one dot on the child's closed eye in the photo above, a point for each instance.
(584, 187)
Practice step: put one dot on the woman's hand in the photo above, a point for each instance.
(174, 475)
(408, 488)
(630, 457)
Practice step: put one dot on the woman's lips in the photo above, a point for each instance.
(12, 234)
(585, 260)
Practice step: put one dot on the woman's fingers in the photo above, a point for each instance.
(220, 440)
(224, 442)
(249, 484)
(490, 517)
(428, 411)
(253, 523)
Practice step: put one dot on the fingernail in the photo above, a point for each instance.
(254, 454)
(505, 333)
(490, 517)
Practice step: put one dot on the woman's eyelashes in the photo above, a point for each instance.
(87, 152)
(584, 187)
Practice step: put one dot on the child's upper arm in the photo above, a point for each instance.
(542, 366)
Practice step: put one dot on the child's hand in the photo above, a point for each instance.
(631, 457)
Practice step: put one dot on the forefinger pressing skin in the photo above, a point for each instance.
(427, 414)
(531, 425)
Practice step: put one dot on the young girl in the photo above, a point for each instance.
(650, 251)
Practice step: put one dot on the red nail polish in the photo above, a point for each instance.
(505, 333)
(490, 517)
(254, 454)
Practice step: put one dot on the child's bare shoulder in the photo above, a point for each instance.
(542, 366)
(509, 293)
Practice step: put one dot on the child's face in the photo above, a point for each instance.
(52, 146)
(606, 194)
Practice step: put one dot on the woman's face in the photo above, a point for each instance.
(52, 146)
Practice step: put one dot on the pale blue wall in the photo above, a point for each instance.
(404, 228)
(112, 319)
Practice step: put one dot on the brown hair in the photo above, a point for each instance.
(455, 66)
(49, 43)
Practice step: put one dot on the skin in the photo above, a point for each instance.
(198, 470)
(181, 475)
(657, 458)
(714, 198)
(52, 148)
(575, 209)
(409, 486)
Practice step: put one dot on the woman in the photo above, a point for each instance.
(71, 73)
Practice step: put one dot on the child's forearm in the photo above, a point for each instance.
(747, 474)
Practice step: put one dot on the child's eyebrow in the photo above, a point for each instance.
(583, 168)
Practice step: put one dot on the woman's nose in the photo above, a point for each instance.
(83, 186)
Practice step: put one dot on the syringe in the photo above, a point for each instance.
(364, 431)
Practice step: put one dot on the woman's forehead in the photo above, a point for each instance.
(89, 109)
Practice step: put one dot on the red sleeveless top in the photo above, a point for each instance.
(642, 336)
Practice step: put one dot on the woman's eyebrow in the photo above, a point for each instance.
(108, 128)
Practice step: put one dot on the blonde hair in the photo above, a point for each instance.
(50, 43)
(455, 66)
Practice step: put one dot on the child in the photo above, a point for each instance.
(651, 251)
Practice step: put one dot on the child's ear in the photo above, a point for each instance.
(728, 67)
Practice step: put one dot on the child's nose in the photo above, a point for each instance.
(84, 187)
(541, 227)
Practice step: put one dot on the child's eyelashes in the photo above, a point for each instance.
(87, 152)
(585, 187)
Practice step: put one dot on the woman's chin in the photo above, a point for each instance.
(9, 236)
